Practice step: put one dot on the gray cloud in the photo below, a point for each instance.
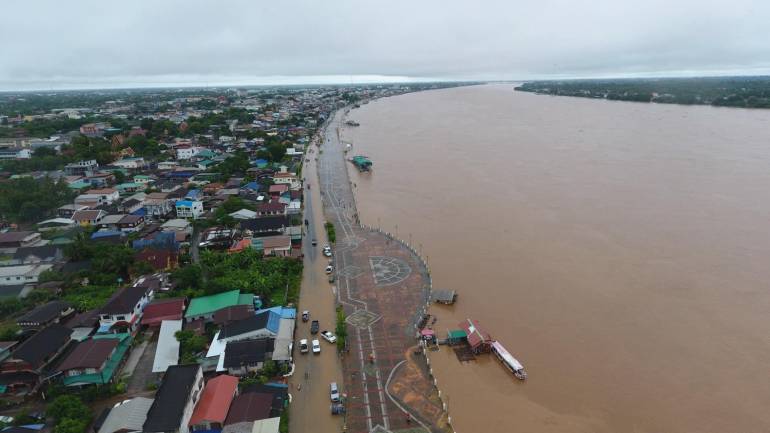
(99, 44)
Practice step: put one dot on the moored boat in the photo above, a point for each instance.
(509, 361)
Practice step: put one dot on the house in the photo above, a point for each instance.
(276, 191)
(41, 254)
(143, 179)
(11, 241)
(294, 207)
(127, 416)
(81, 168)
(88, 217)
(186, 152)
(130, 163)
(15, 153)
(283, 177)
(132, 205)
(123, 310)
(174, 402)
(157, 204)
(56, 224)
(211, 411)
(163, 309)
(266, 225)
(44, 315)
(94, 361)
(261, 325)
(247, 356)
(204, 307)
(159, 259)
(193, 195)
(110, 222)
(67, 210)
(273, 245)
(93, 129)
(478, 339)
(273, 207)
(278, 391)
(249, 407)
(22, 274)
(129, 187)
(131, 223)
(25, 367)
(244, 214)
(189, 209)
(101, 180)
(177, 225)
(104, 195)
(167, 351)
(233, 313)
(83, 325)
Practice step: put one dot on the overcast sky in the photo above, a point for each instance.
(80, 44)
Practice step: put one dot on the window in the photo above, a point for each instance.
(121, 317)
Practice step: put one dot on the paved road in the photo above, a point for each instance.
(310, 405)
(141, 374)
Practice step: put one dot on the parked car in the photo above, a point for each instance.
(316, 346)
(327, 251)
(329, 269)
(331, 278)
(337, 408)
(314, 325)
(305, 315)
(334, 392)
(303, 345)
(328, 336)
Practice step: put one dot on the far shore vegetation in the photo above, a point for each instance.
(742, 92)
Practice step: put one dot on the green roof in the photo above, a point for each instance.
(457, 333)
(209, 304)
(246, 299)
(79, 185)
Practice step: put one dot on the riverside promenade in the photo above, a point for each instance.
(383, 286)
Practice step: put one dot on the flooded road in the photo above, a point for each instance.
(619, 250)
(314, 372)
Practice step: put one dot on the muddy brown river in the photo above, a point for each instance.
(619, 250)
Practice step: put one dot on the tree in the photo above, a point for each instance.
(120, 177)
(68, 406)
(72, 425)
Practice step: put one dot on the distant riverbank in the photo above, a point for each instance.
(738, 92)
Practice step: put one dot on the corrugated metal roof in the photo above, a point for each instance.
(215, 400)
(167, 352)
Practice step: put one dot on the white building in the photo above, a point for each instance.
(186, 152)
(130, 163)
(21, 274)
(189, 209)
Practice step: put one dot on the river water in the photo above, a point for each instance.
(618, 250)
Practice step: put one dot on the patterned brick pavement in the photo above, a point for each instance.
(383, 286)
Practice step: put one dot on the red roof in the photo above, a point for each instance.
(279, 188)
(163, 309)
(215, 400)
(476, 335)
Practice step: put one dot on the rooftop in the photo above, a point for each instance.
(215, 400)
(166, 411)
